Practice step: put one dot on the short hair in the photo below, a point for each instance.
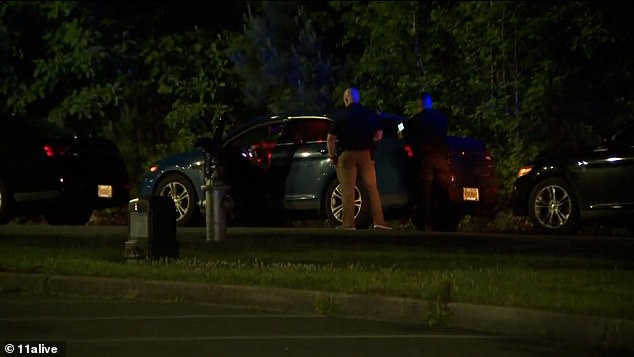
(353, 94)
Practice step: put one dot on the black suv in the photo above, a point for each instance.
(47, 170)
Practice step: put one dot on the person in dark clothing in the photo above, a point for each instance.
(426, 133)
(357, 129)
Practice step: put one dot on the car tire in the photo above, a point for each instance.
(5, 203)
(441, 220)
(333, 205)
(552, 207)
(182, 192)
(69, 213)
(449, 222)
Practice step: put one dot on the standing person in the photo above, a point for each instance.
(426, 133)
(358, 129)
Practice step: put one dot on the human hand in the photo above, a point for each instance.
(333, 160)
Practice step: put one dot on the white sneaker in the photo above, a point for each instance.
(381, 226)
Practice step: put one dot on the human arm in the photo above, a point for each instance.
(378, 127)
(378, 135)
(331, 141)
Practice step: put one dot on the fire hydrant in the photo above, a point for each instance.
(216, 214)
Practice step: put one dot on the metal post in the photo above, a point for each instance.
(208, 210)
(220, 208)
(217, 203)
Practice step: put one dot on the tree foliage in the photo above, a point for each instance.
(280, 61)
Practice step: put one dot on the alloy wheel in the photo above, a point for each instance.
(180, 195)
(336, 203)
(553, 206)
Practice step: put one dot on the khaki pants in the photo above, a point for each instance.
(350, 165)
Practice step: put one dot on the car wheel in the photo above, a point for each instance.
(333, 205)
(446, 223)
(552, 207)
(441, 220)
(182, 192)
(69, 214)
(5, 203)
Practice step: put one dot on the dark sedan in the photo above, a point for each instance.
(278, 165)
(560, 191)
(47, 170)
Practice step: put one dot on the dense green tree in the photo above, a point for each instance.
(58, 61)
(384, 53)
(280, 61)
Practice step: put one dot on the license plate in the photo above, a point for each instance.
(470, 194)
(104, 191)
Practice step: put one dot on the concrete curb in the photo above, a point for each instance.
(580, 330)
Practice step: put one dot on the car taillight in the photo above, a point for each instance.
(408, 149)
(49, 150)
(52, 150)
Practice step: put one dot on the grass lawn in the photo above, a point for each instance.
(603, 287)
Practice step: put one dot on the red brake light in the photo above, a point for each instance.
(48, 149)
(56, 150)
(409, 151)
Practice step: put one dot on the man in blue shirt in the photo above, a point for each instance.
(426, 133)
(357, 129)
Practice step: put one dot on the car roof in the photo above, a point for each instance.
(272, 118)
(265, 119)
(268, 118)
(18, 125)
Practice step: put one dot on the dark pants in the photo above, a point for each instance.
(431, 184)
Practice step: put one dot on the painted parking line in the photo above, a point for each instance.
(157, 317)
(289, 337)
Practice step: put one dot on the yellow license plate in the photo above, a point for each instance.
(470, 194)
(104, 191)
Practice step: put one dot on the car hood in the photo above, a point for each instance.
(183, 160)
(566, 156)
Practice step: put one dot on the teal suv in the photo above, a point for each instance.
(277, 167)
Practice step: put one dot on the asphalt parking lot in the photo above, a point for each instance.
(135, 327)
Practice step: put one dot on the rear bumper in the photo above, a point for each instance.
(99, 194)
(487, 196)
(120, 197)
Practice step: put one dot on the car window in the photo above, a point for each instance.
(256, 144)
(305, 130)
(269, 132)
